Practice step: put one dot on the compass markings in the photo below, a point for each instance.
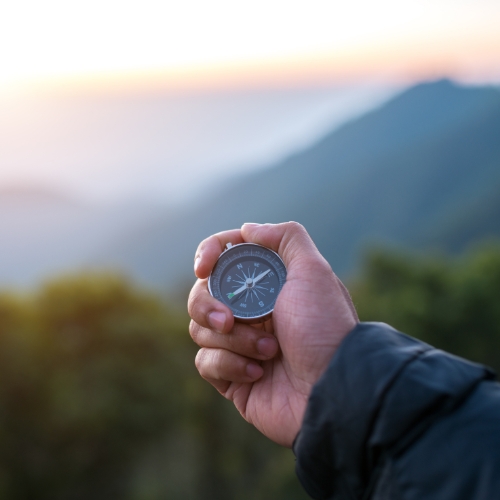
(251, 281)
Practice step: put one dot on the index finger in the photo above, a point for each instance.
(210, 248)
(289, 239)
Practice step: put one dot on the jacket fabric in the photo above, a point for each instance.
(393, 418)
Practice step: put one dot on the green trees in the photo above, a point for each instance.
(99, 396)
(452, 304)
(84, 366)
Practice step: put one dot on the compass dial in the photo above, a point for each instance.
(247, 278)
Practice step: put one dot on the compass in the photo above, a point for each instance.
(248, 278)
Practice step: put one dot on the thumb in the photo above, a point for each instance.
(289, 239)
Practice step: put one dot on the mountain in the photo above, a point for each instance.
(422, 171)
(43, 232)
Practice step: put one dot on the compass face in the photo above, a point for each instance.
(248, 278)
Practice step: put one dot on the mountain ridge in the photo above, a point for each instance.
(421, 171)
(354, 186)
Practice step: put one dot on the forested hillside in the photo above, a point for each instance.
(100, 397)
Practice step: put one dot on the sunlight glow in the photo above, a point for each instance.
(58, 39)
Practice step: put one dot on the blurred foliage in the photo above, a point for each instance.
(451, 304)
(99, 398)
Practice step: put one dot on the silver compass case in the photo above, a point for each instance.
(248, 278)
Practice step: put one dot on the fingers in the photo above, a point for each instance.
(221, 368)
(229, 352)
(209, 250)
(289, 239)
(207, 311)
(243, 339)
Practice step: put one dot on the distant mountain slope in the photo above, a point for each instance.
(43, 232)
(414, 172)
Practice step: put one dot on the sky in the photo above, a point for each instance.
(195, 42)
(161, 99)
(162, 146)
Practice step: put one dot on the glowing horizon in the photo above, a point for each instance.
(222, 44)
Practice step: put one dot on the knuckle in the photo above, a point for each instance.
(242, 340)
(218, 360)
(200, 359)
(238, 364)
(250, 344)
(296, 227)
(194, 330)
(190, 307)
(224, 363)
(294, 237)
(192, 300)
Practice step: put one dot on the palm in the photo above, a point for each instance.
(275, 403)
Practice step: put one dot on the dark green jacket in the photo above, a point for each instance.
(393, 418)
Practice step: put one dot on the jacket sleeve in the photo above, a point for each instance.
(393, 418)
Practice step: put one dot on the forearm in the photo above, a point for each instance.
(394, 414)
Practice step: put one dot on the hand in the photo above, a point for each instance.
(269, 377)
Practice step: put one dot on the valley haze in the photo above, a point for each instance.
(421, 171)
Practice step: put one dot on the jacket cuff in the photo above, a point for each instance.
(381, 389)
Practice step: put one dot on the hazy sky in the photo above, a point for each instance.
(228, 39)
(116, 98)
(163, 147)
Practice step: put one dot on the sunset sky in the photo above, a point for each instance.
(115, 99)
(226, 42)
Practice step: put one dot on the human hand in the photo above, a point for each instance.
(269, 377)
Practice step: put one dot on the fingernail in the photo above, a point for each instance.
(267, 347)
(251, 224)
(217, 320)
(197, 264)
(254, 371)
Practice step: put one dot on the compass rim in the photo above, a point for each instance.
(247, 319)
